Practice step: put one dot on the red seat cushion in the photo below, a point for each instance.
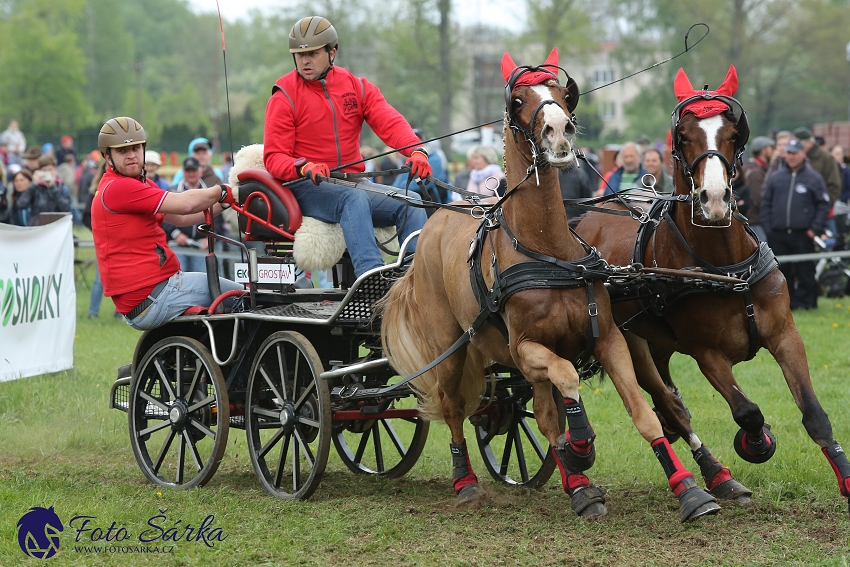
(285, 213)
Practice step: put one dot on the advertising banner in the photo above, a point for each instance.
(37, 299)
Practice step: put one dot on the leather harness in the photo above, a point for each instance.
(659, 296)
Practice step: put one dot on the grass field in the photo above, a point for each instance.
(61, 446)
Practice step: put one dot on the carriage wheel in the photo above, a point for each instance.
(380, 447)
(287, 416)
(179, 414)
(514, 451)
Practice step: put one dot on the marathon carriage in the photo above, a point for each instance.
(297, 370)
(504, 305)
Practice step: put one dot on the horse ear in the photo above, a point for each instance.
(730, 84)
(682, 86)
(508, 66)
(552, 59)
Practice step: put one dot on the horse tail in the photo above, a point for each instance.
(406, 345)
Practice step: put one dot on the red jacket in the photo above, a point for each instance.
(322, 121)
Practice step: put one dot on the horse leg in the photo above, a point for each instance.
(612, 352)
(790, 353)
(754, 442)
(661, 360)
(573, 450)
(449, 377)
(659, 384)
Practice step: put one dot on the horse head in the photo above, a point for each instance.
(538, 107)
(709, 131)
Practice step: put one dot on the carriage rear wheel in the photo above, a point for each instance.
(179, 414)
(386, 447)
(287, 416)
(514, 451)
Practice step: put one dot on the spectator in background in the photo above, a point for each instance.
(778, 159)
(46, 195)
(153, 162)
(389, 162)
(47, 150)
(201, 150)
(653, 164)
(437, 170)
(461, 180)
(822, 162)
(14, 138)
(483, 166)
(31, 158)
(755, 173)
(841, 209)
(629, 174)
(66, 146)
(5, 157)
(65, 177)
(794, 210)
(644, 144)
(226, 165)
(368, 152)
(439, 167)
(575, 184)
(21, 183)
(187, 237)
(87, 183)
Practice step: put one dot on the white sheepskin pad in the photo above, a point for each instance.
(318, 245)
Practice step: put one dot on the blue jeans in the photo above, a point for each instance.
(96, 294)
(358, 212)
(192, 263)
(183, 290)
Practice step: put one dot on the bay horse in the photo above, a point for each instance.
(698, 229)
(551, 310)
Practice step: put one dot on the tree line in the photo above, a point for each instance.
(68, 65)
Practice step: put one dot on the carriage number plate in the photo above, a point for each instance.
(268, 273)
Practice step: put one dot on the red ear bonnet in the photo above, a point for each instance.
(535, 77)
(705, 108)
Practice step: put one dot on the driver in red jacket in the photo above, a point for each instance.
(314, 119)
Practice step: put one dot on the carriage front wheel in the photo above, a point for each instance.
(287, 416)
(514, 451)
(179, 414)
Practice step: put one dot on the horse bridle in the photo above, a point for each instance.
(741, 123)
(572, 102)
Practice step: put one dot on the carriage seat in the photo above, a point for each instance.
(316, 245)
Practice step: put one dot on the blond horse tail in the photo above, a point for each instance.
(405, 340)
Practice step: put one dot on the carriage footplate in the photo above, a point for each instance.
(119, 396)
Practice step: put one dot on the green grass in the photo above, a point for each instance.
(61, 446)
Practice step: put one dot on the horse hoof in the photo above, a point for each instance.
(471, 495)
(695, 502)
(588, 502)
(732, 490)
(756, 452)
(573, 460)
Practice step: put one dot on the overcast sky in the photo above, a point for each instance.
(492, 12)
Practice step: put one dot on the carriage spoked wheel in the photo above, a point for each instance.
(387, 446)
(514, 451)
(179, 414)
(287, 416)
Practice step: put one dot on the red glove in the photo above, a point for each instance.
(314, 170)
(418, 163)
(227, 197)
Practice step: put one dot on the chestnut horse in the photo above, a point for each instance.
(721, 328)
(547, 325)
